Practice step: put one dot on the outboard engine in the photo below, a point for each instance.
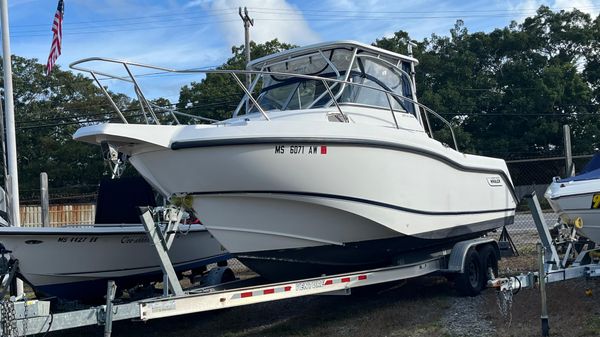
(8, 268)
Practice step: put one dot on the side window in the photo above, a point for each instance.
(371, 73)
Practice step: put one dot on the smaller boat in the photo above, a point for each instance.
(577, 199)
(75, 262)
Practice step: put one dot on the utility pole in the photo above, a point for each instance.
(11, 139)
(247, 23)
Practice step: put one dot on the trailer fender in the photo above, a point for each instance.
(456, 262)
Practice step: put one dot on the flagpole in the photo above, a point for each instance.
(11, 139)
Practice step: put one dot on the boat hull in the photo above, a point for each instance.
(575, 199)
(267, 187)
(74, 263)
(338, 197)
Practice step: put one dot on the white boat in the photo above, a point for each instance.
(75, 262)
(331, 169)
(579, 197)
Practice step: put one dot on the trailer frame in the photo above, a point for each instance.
(34, 316)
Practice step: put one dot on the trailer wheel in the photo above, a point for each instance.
(489, 260)
(468, 283)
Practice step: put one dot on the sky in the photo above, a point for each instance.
(186, 34)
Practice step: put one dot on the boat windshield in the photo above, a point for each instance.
(292, 93)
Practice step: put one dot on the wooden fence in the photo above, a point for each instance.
(60, 215)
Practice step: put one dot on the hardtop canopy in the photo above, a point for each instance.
(391, 57)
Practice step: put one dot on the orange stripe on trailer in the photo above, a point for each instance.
(268, 291)
(328, 282)
(345, 279)
(287, 288)
(362, 277)
(246, 294)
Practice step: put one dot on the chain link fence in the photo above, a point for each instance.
(535, 175)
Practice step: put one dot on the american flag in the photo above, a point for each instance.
(57, 37)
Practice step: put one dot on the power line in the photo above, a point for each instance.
(86, 26)
(283, 15)
(186, 14)
(525, 10)
(173, 14)
(126, 30)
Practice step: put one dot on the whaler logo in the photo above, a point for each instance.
(494, 181)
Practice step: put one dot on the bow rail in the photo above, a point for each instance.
(148, 109)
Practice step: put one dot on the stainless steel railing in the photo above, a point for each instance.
(148, 109)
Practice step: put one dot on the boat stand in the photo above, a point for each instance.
(550, 267)
(162, 241)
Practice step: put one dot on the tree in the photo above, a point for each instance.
(48, 110)
(509, 91)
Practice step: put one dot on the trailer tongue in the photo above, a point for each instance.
(552, 268)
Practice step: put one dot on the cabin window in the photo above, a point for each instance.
(280, 92)
(290, 93)
(375, 73)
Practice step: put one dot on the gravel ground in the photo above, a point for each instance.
(464, 317)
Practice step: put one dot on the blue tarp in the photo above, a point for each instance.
(590, 171)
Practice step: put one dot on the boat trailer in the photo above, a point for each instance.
(22, 317)
(551, 268)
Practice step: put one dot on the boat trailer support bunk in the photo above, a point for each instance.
(22, 317)
(550, 265)
(162, 241)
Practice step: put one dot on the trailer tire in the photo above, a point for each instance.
(468, 283)
(489, 259)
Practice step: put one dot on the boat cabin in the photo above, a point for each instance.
(357, 75)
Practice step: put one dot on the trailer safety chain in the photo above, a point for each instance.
(24, 325)
(504, 298)
(8, 319)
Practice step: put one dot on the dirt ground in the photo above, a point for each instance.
(424, 307)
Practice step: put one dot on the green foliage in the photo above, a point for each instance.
(48, 110)
(510, 91)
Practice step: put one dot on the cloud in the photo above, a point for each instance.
(267, 15)
(586, 6)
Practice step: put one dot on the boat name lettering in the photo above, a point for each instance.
(309, 285)
(134, 239)
(494, 181)
(77, 239)
(300, 149)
